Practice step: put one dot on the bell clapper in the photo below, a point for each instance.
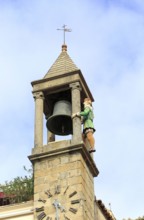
(62, 129)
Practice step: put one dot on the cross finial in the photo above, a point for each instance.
(64, 29)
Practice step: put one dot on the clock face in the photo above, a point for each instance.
(58, 204)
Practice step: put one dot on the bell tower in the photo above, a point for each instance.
(64, 170)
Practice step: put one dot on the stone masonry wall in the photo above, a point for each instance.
(66, 179)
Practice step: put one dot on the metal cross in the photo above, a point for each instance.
(64, 29)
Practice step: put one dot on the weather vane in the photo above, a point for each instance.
(110, 206)
(64, 29)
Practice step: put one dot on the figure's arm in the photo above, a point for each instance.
(85, 112)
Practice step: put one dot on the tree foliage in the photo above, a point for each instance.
(20, 189)
(139, 218)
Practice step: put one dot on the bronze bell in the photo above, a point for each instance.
(60, 122)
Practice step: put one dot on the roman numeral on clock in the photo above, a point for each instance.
(75, 201)
(41, 216)
(73, 210)
(66, 217)
(39, 209)
(49, 218)
(72, 194)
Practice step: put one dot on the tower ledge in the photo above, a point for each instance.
(64, 147)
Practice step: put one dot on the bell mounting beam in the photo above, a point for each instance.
(64, 29)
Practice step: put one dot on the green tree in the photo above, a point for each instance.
(139, 218)
(20, 189)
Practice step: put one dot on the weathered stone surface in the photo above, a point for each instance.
(67, 168)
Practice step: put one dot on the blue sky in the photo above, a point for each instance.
(107, 44)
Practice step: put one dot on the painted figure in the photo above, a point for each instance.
(87, 119)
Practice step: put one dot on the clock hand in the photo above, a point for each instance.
(56, 205)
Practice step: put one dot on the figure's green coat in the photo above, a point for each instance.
(88, 117)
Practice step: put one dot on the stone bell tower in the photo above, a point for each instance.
(64, 170)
